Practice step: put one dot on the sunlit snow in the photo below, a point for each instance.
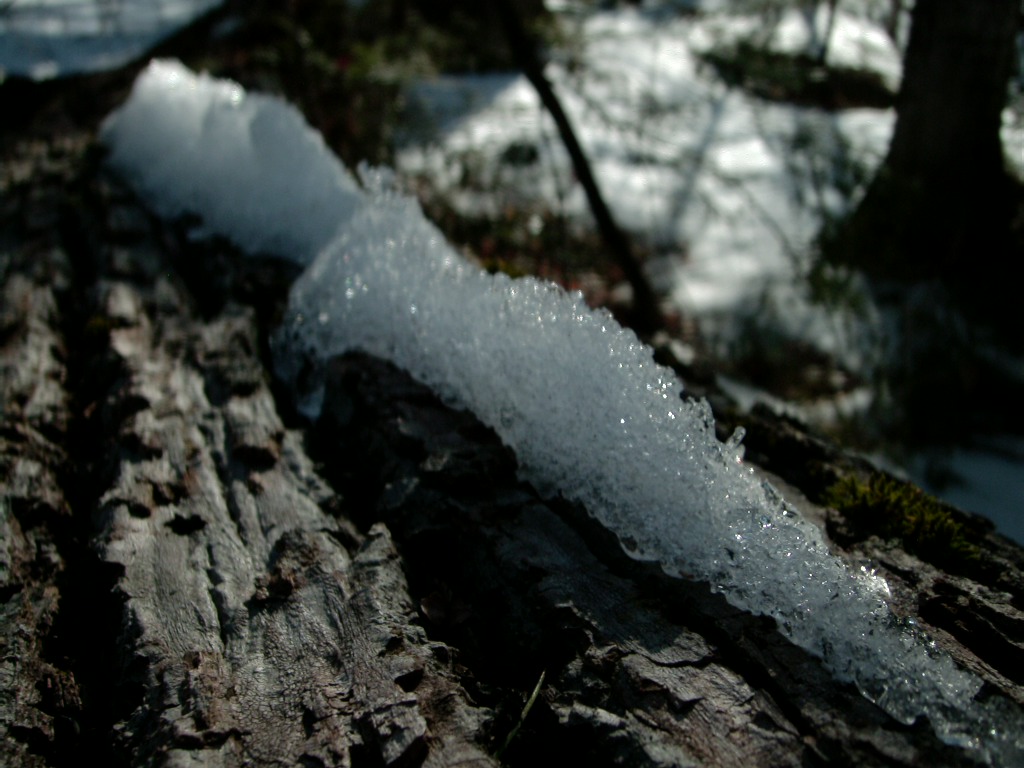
(730, 188)
(260, 142)
(579, 399)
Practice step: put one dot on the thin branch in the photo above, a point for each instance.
(647, 317)
(522, 716)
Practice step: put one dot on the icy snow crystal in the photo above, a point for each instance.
(588, 412)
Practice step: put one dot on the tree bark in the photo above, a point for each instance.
(189, 574)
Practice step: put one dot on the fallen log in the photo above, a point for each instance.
(191, 573)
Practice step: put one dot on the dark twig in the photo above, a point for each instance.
(647, 317)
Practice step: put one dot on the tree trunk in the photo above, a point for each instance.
(941, 206)
(191, 575)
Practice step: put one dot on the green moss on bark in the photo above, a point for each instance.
(891, 508)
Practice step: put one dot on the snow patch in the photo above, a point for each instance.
(198, 136)
(43, 39)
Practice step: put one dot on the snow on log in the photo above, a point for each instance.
(588, 413)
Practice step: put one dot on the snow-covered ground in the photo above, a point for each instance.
(43, 39)
(731, 189)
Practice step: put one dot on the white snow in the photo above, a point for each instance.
(214, 136)
(578, 398)
(43, 39)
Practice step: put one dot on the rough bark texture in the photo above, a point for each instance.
(189, 575)
(645, 314)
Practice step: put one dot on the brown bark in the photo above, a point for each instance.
(254, 624)
(189, 574)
